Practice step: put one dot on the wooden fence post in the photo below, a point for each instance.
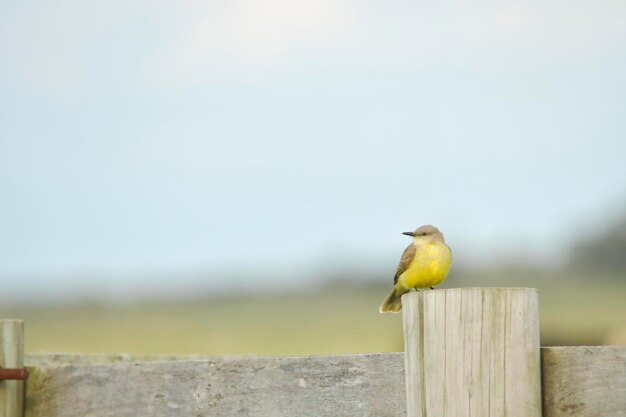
(11, 356)
(472, 352)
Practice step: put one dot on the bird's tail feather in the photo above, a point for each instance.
(393, 302)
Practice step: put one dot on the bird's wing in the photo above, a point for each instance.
(405, 261)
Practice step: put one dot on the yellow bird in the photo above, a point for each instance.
(424, 263)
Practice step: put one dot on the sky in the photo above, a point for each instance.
(151, 146)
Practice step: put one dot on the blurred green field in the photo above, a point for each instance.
(312, 323)
(325, 321)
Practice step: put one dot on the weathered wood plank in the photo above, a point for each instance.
(39, 360)
(585, 381)
(355, 385)
(578, 381)
(11, 356)
(472, 351)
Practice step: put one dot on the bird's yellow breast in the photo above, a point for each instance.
(429, 267)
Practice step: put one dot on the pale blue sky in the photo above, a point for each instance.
(141, 137)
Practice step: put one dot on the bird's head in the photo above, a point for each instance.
(426, 233)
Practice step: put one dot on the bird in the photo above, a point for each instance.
(425, 263)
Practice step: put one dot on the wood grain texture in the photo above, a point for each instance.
(355, 385)
(472, 352)
(578, 381)
(11, 356)
(584, 381)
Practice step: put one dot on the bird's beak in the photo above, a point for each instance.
(408, 233)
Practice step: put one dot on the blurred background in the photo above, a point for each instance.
(215, 177)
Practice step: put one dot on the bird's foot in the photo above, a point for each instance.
(432, 288)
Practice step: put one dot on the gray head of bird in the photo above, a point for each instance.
(426, 233)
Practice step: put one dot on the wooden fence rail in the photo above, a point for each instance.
(460, 346)
(577, 381)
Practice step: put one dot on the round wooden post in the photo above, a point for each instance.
(11, 356)
(472, 352)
